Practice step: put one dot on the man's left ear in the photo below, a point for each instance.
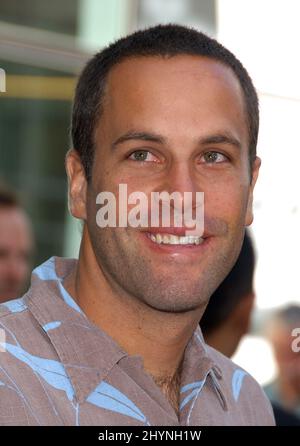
(77, 185)
(255, 170)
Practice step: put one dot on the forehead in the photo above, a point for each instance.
(182, 66)
(184, 89)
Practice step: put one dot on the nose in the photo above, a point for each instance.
(185, 198)
(182, 178)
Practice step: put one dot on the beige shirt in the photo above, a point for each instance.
(57, 368)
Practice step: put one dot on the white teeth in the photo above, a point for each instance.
(184, 240)
(153, 238)
(158, 238)
(171, 239)
(165, 239)
(174, 240)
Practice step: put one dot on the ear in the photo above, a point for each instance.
(77, 185)
(255, 170)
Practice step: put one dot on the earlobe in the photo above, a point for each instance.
(77, 185)
(255, 171)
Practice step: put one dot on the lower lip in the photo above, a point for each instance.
(161, 248)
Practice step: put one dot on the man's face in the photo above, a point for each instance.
(186, 108)
(15, 250)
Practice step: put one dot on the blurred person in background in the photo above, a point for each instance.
(227, 319)
(16, 245)
(228, 314)
(285, 389)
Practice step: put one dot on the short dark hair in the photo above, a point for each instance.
(161, 40)
(235, 287)
(8, 198)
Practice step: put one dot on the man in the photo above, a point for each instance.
(16, 244)
(112, 339)
(285, 389)
(227, 317)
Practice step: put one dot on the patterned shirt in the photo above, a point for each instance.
(58, 368)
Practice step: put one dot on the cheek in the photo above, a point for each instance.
(130, 184)
(111, 178)
(121, 186)
(227, 200)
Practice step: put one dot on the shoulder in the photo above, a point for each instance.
(243, 391)
(17, 322)
(20, 330)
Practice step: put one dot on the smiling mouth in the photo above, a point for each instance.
(172, 239)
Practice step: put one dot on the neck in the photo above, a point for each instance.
(170, 386)
(136, 327)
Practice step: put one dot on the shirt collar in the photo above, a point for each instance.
(199, 365)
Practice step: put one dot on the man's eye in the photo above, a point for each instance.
(142, 155)
(213, 158)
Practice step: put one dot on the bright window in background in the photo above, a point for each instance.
(265, 36)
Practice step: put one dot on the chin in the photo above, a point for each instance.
(172, 307)
(175, 298)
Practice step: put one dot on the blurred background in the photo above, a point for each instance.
(43, 47)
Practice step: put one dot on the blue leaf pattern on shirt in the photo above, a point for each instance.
(110, 398)
(105, 395)
(237, 382)
(196, 388)
(53, 372)
(46, 271)
(68, 299)
(51, 325)
(15, 306)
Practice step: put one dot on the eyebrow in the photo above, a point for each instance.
(219, 138)
(140, 136)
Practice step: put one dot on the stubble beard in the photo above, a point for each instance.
(131, 274)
